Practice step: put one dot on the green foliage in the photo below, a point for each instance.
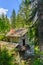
(26, 17)
(20, 21)
(2, 37)
(13, 19)
(4, 24)
(25, 10)
(36, 61)
(5, 58)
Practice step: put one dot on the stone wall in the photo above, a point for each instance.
(21, 39)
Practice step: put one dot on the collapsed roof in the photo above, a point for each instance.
(17, 33)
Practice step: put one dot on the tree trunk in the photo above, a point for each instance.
(41, 37)
(40, 28)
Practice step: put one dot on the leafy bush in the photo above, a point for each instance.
(36, 61)
(1, 37)
(5, 58)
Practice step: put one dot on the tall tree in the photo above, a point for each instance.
(37, 14)
(20, 21)
(7, 23)
(13, 18)
(40, 28)
(4, 24)
(25, 10)
(32, 11)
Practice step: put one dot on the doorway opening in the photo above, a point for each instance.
(23, 42)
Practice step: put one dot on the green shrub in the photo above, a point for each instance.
(2, 37)
(36, 61)
(5, 58)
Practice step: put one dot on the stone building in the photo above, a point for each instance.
(18, 36)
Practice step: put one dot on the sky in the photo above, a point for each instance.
(6, 6)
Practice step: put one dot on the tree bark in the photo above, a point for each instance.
(40, 27)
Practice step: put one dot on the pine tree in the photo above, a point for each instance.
(13, 18)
